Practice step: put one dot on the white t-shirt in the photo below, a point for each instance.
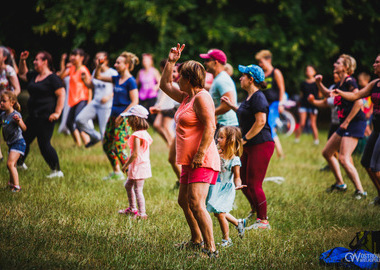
(102, 89)
(5, 74)
(164, 102)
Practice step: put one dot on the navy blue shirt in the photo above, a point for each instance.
(121, 98)
(344, 106)
(246, 115)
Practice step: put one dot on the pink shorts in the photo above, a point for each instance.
(198, 175)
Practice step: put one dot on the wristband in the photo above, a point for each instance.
(245, 139)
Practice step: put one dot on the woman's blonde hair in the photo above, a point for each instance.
(233, 146)
(349, 62)
(12, 97)
(131, 59)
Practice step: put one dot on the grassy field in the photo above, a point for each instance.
(72, 222)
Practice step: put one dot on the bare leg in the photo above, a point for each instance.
(172, 159)
(277, 143)
(231, 219)
(77, 138)
(313, 124)
(85, 137)
(331, 147)
(11, 164)
(347, 147)
(158, 125)
(223, 225)
(303, 116)
(197, 193)
(196, 235)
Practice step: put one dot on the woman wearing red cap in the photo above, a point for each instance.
(196, 149)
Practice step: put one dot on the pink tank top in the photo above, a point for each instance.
(189, 131)
(147, 81)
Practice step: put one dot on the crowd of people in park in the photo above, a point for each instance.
(216, 144)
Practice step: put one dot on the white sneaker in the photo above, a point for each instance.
(114, 176)
(55, 174)
(23, 167)
(316, 142)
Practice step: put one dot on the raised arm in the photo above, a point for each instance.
(166, 82)
(22, 67)
(99, 76)
(323, 89)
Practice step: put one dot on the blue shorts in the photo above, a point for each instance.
(18, 146)
(308, 110)
(355, 129)
(272, 116)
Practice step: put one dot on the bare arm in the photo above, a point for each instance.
(158, 79)
(60, 93)
(279, 78)
(22, 67)
(99, 76)
(19, 122)
(355, 109)
(207, 118)
(261, 119)
(352, 96)
(237, 179)
(166, 82)
(323, 89)
(16, 84)
(228, 102)
(223, 107)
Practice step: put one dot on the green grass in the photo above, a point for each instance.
(73, 222)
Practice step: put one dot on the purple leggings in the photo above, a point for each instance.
(254, 165)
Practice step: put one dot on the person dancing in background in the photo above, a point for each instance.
(100, 106)
(274, 93)
(352, 126)
(371, 155)
(308, 87)
(80, 93)
(148, 80)
(125, 96)
(45, 105)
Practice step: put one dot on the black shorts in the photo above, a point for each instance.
(355, 129)
(371, 154)
(168, 113)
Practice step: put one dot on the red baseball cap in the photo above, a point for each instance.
(216, 55)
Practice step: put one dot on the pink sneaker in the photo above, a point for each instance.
(128, 211)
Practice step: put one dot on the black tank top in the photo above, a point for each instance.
(375, 98)
(272, 92)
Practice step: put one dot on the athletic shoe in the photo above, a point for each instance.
(336, 187)
(16, 189)
(360, 194)
(91, 143)
(55, 174)
(316, 142)
(259, 224)
(22, 166)
(376, 201)
(241, 227)
(225, 243)
(114, 176)
(128, 211)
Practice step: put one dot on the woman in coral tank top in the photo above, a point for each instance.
(196, 149)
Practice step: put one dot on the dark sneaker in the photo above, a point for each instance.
(91, 143)
(336, 187)
(376, 201)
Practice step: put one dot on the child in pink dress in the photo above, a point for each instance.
(138, 164)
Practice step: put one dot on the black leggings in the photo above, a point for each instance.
(42, 129)
(72, 115)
